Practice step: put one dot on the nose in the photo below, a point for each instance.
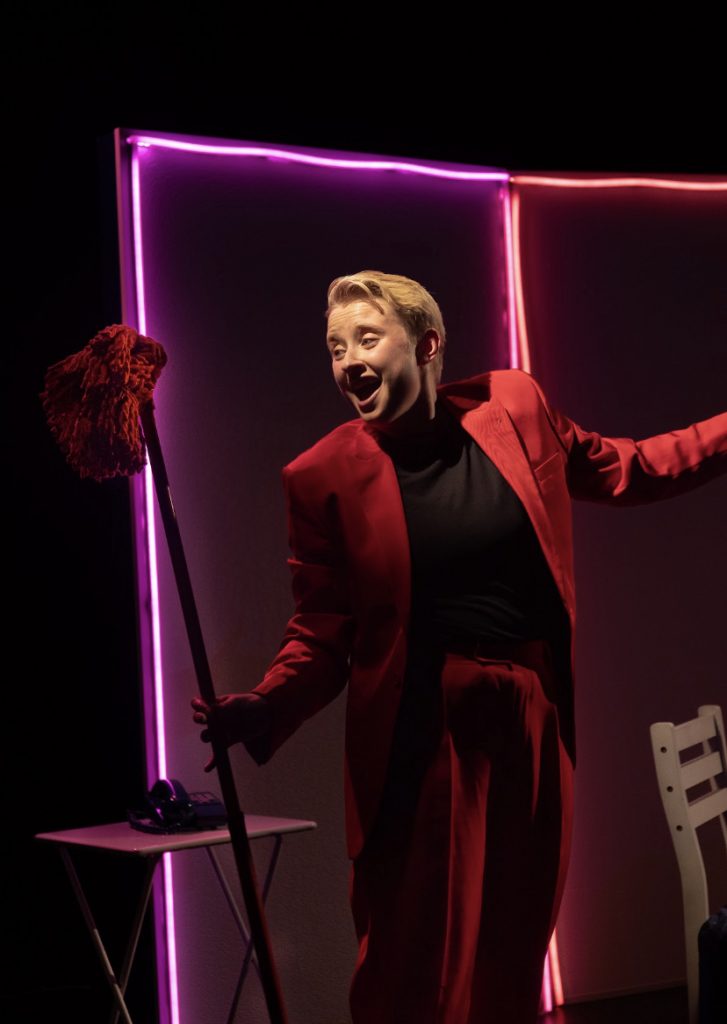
(351, 364)
(347, 370)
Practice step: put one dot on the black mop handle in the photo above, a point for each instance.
(236, 819)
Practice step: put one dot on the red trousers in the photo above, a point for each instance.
(456, 891)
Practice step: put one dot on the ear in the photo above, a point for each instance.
(428, 346)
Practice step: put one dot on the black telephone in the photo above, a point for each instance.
(170, 808)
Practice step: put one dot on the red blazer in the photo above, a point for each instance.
(351, 568)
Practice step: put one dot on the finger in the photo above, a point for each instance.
(200, 718)
(211, 765)
(205, 736)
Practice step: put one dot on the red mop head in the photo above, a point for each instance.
(92, 401)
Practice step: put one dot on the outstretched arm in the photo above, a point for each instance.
(626, 472)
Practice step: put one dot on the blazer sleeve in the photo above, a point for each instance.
(312, 664)
(621, 471)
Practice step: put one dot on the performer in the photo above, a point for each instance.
(432, 564)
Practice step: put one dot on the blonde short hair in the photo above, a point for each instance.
(411, 302)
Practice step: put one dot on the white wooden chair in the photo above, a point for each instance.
(705, 769)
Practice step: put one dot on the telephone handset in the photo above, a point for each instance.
(170, 808)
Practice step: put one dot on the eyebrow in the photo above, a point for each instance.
(361, 329)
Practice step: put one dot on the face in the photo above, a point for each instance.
(375, 363)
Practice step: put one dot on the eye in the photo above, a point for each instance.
(369, 341)
(337, 353)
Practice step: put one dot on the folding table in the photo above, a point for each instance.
(122, 838)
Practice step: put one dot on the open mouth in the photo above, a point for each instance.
(366, 390)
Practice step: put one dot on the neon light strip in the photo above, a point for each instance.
(552, 991)
(161, 752)
(519, 300)
(520, 358)
(555, 970)
(519, 351)
(292, 156)
(546, 995)
(617, 182)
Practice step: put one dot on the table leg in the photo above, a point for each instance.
(95, 937)
(136, 928)
(249, 951)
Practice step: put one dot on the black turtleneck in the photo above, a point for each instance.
(477, 567)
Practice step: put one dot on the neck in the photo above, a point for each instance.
(417, 422)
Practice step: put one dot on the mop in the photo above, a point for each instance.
(99, 408)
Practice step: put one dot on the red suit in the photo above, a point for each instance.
(351, 583)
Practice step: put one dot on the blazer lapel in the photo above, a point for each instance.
(492, 428)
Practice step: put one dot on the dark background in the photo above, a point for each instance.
(73, 727)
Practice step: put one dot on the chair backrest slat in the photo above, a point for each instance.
(699, 769)
(688, 734)
(708, 807)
